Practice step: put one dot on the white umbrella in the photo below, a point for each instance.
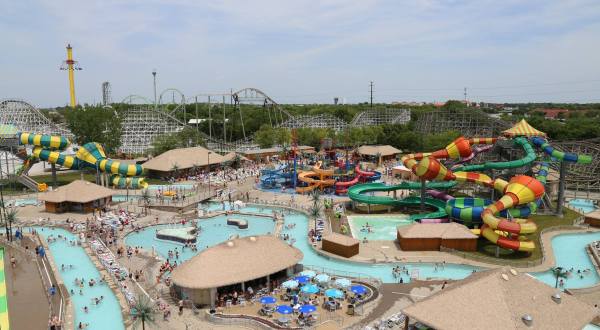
(290, 284)
(342, 282)
(322, 278)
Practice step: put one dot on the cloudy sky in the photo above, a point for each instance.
(305, 51)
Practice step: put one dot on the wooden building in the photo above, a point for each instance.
(77, 196)
(434, 236)
(341, 245)
(182, 161)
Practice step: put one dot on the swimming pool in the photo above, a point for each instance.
(23, 202)
(106, 315)
(212, 232)
(570, 251)
(382, 227)
(585, 205)
(175, 186)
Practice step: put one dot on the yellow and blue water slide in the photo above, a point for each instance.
(91, 155)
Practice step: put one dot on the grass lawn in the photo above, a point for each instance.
(488, 249)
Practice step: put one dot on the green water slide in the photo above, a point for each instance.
(530, 156)
(357, 193)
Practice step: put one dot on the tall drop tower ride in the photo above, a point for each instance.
(71, 65)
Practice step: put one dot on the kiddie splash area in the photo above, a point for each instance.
(507, 178)
(91, 155)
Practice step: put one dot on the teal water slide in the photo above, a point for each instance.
(358, 193)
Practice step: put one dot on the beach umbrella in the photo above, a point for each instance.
(308, 273)
(291, 284)
(334, 293)
(358, 289)
(322, 278)
(302, 279)
(342, 282)
(267, 300)
(307, 309)
(284, 309)
(310, 289)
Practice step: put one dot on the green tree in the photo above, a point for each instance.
(143, 312)
(188, 137)
(265, 136)
(559, 273)
(95, 124)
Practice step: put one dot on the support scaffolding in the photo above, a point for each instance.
(469, 122)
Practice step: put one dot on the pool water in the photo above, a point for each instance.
(123, 198)
(585, 205)
(570, 251)
(382, 227)
(106, 315)
(212, 232)
(23, 202)
(179, 186)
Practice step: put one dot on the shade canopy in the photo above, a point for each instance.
(342, 282)
(267, 300)
(302, 279)
(310, 289)
(334, 293)
(284, 309)
(523, 128)
(290, 284)
(358, 289)
(307, 309)
(322, 278)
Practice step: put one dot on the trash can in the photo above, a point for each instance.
(350, 309)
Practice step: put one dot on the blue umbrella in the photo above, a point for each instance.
(334, 293)
(358, 289)
(342, 282)
(307, 309)
(291, 284)
(267, 300)
(322, 278)
(284, 309)
(302, 279)
(310, 288)
(308, 273)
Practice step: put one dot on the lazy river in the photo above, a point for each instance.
(569, 249)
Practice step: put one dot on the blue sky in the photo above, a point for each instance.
(305, 51)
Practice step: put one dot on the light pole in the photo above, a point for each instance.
(3, 215)
(208, 161)
(154, 78)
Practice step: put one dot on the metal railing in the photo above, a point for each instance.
(339, 273)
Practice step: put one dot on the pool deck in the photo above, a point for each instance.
(373, 251)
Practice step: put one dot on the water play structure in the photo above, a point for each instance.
(316, 178)
(503, 221)
(91, 155)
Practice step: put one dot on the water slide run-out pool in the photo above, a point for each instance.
(106, 315)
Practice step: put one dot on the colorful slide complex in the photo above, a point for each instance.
(341, 187)
(92, 155)
(271, 178)
(324, 179)
(358, 193)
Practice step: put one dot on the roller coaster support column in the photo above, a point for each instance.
(561, 188)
